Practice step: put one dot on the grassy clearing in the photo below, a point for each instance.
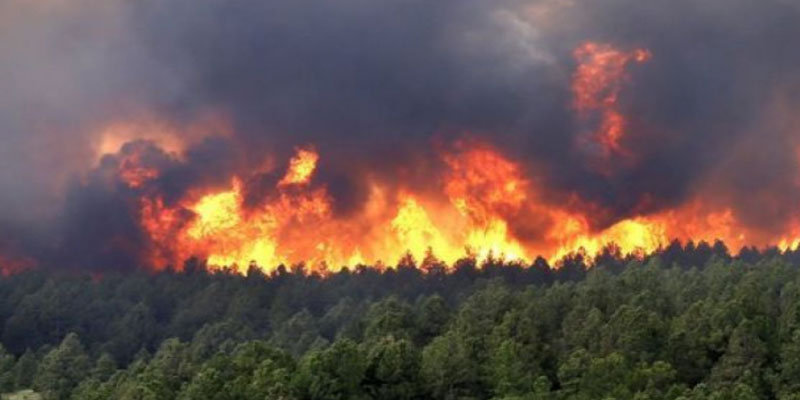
(22, 395)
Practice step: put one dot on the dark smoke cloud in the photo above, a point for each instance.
(371, 83)
(717, 67)
(101, 228)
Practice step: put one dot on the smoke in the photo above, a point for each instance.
(374, 86)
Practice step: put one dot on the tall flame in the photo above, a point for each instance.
(486, 195)
(596, 85)
(301, 168)
(487, 205)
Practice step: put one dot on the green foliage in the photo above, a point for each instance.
(335, 373)
(25, 370)
(448, 368)
(252, 370)
(388, 317)
(62, 369)
(7, 373)
(431, 316)
(298, 334)
(392, 370)
(690, 324)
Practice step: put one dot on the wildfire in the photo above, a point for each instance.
(228, 238)
(301, 168)
(596, 85)
(483, 205)
(228, 235)
(134, 172)
(296, 224)
(486, 197)
(645, 234)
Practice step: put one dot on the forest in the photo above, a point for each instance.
(688, 322)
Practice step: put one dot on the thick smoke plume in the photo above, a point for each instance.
(104, 103)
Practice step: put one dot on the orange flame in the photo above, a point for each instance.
(596, 85)
(486, 197)
(297, 224)
(301, 168)
(134, 173)
(488, 206)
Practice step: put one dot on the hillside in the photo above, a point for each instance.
(688, 323)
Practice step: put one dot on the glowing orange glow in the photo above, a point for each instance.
(10, 265)
(229, 237)
(485, 205)
(170, 137)
(301, 168)
(791, 239)
(645, 234)
(481, 204)
(481, 182)
(298, 225)
(114, 136)
(134, 173)
(413, 226)
(485, 195)
(596, 85)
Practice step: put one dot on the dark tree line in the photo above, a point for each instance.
(690, 322)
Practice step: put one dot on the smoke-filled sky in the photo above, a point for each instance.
(381, 86)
